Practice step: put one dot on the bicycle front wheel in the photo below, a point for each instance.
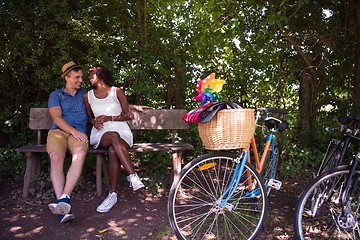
(195, 205)
(319, 213)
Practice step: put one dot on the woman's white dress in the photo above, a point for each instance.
(109, 106)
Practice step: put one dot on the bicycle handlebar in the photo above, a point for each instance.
(276, 110)
(271, 122)
(273, 110)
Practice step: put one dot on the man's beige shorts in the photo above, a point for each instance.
(58, 140)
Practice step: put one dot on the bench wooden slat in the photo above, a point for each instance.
(138, 147)
(40, 119)
(158, 119)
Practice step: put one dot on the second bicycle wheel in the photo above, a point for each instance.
(319, 213)
(194, 206)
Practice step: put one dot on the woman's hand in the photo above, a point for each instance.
(100, 120)
(140, 108)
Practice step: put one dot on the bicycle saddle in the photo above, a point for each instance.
(271, 123)
(349, 120)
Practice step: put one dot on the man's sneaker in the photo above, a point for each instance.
(108, 203)
(135, 182)
(67, 217)
(61, 206)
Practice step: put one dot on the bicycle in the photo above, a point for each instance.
(336, 149)
(219, 195)
(329, 205)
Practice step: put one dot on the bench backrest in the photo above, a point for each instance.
(167, 119)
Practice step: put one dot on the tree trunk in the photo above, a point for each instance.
(306, 108)
(176, 87)
(180, 86)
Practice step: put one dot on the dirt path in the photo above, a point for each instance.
(140, 215)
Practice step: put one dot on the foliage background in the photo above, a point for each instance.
(301, 55)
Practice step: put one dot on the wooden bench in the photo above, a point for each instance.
(160, 119)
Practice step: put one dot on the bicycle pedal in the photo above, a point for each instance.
(274, 184)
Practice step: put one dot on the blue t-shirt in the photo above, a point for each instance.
(72, 108)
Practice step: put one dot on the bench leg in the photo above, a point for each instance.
(32, 166)
(176, 164)
(99, 160)
(106, 173)
(101, 164)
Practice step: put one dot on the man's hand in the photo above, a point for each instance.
(80, 136)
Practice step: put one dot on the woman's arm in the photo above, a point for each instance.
(140, 108)
(90, 114)
(126, 114)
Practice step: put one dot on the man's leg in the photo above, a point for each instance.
(62, 206)
(74, 173)
(57, 172)
(56, 147)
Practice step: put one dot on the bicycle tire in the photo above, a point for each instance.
(193, 204)
(268, 171)
(318, 210)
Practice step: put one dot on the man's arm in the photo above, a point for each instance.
(56, 115)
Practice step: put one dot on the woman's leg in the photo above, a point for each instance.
(113, 139)
(114, 172)
(114, 169)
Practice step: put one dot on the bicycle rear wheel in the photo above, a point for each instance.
(194, 206)
(318, 212)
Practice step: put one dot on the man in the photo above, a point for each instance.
(67, 109)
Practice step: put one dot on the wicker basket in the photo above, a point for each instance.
(229, 129)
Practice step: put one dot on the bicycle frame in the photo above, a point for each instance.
(241, 164)
(260, 162)
(241, 160)
(344, 144)
(348, 184)
(240, 168)
(235, 178)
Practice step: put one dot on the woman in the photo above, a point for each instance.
(108, 110)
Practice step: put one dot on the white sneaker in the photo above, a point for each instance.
(135, 182)
(108, 203)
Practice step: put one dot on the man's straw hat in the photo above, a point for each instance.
(68, 67)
